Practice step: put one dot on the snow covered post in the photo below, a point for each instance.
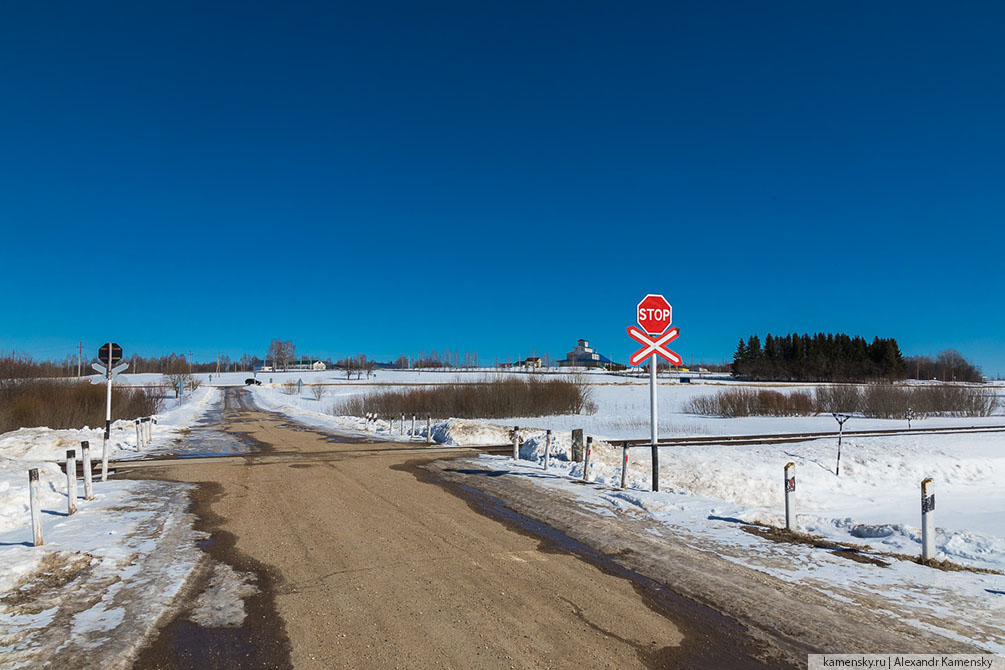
(36, 510)
(429, 429)
(411, 435)
(624, 464)
(401, 426)
(586, 459)
(516, 443)
(928, 519)
(547, 449)
(71, 482)
(790, 496)
(139, 439)
(85, 459)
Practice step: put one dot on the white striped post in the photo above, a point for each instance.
(586, 460)
(34, 494)
(429, 429)
(150, 429)
(790, 496)
(411, 435)
(139, 439)
(71, 482)
(401, 426)
(547, 449)
(85, 459)
(516, 443)
(928, 519)
(624, 465)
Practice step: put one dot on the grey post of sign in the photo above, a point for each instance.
(790, 496)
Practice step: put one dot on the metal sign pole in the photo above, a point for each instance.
(108, 422)
(654, 418)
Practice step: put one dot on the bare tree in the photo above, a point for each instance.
(281, 352)
(319, 391)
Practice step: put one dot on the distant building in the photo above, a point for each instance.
(533, 362)
(583, 356)
(299, 366)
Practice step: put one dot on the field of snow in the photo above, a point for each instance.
(121, 558)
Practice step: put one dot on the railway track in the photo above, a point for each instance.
(785, 438)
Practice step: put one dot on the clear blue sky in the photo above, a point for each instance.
(499, 176)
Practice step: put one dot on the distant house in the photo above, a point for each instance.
(300, 366)
(533, 362)
(584, 356)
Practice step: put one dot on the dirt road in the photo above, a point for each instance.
(365, 561)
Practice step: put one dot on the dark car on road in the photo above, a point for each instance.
(249, 381)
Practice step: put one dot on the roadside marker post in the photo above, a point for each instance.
(71, 482)
(928, 519)
(516, 443)
(654, 316)
(36, 510)
(411, 435)
(586, 459)
(790, 496)
(547, 449)
(841, 418)
(150, 429)
(401, 426)
(624, 465)
(85, 459)
(139, 440)
(429, 429)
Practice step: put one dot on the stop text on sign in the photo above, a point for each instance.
(654, 314)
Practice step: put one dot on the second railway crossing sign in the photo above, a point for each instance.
(109, 354)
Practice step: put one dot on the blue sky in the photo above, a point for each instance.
(499, 176)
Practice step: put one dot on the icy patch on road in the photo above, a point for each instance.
(221, 605)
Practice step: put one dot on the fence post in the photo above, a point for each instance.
(85, 458)
(547, 449)
(928, 519)
(71, 482)
(150, 429)
(411, 435)
(36, 510)
(429, 429)
(516, 443)
(401, 426)
(624, 464)
(577, 445)
(790, 496)
(139, 440)
(586, 460)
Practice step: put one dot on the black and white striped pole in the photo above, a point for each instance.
(139, 439)
(928, 519)
(35, 504)
(71, 482)
(85, 460)
(624, 465)
(790, 496)
(586, 460)
(516, 443)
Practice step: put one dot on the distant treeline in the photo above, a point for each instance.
(819, 357)
(837, 357)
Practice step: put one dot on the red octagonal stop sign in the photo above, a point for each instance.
(654, 314)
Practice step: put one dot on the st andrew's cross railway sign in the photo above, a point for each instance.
(654, 315)
(109, 354)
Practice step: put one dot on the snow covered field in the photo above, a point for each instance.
(106, 574)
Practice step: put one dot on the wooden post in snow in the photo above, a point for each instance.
(624, 465)
(71, 482)
(516, 443)
(411, 435)
(586, 459)
(34, 494)
(790, 496)
(577, 445)
(85, 459)
(139, 439)
(928, 519)
(429, 430)
(401, 426)
(547, 449)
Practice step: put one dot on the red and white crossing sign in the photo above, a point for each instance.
(654, 314)
(654, 346)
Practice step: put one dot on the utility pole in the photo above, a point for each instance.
(218, 364)
(80, 358)
(190, 362)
